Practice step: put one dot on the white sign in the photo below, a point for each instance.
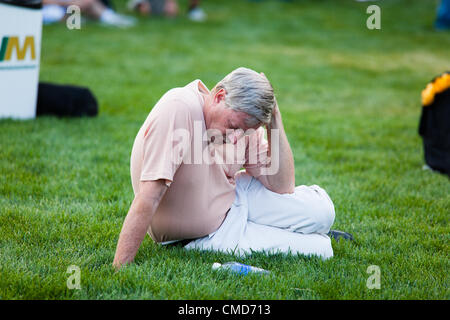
(20, 46)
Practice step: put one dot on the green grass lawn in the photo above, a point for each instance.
(350, 100)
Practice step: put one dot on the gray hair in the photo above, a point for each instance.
(250, 92)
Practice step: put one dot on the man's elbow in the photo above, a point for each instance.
(144, 205)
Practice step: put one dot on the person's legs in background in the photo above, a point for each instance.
(94, 9)
(195, 12)
(108, 3)
(143, 7)
(169, 8)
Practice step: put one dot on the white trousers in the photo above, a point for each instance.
(262, 220)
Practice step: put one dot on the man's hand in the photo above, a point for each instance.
(138, 220)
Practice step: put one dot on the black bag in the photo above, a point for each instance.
(434, 124)
(65, 101)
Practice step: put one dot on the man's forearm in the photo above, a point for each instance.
(138, 220)
(284, 180)
(134, 230)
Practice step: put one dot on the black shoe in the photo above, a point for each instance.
(338, 235)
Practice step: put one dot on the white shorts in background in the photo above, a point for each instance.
(262, 220)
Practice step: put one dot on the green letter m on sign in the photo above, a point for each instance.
(3, 47)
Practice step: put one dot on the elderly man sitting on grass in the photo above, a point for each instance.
(203, 173)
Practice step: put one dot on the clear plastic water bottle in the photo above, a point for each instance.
(238, 268)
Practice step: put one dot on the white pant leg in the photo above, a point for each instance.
(239, 235)
(308, 210)
(258, 237)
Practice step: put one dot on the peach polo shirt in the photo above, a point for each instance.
(200, 190)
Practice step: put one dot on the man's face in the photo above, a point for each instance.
(231, 124)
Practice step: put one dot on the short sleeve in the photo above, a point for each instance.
(167, 140)
(256, 155)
